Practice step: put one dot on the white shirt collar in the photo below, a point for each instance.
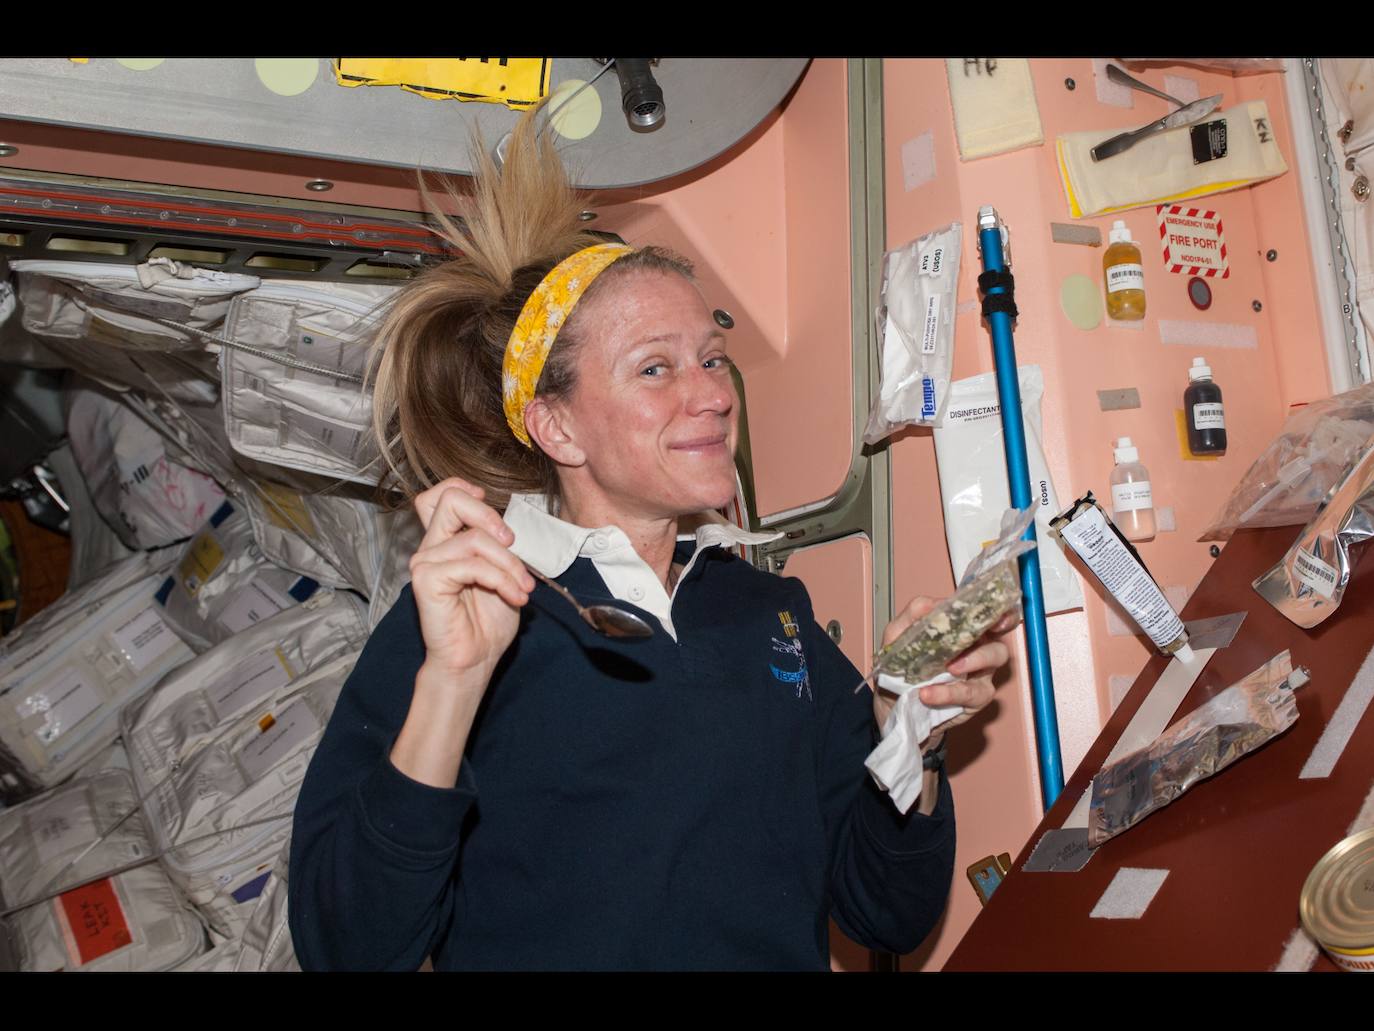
(551, 545)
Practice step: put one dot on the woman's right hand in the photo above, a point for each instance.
(468, 585)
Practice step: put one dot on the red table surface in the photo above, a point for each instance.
(1238, 846)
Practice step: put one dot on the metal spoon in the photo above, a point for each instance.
(607, 620)
(1120, 77)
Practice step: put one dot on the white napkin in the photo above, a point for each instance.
(994, 110)
(896, 763)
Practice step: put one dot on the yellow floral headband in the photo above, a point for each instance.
(538, 325)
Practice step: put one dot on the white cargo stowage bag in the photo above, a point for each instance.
(225, 743)
(403, 533)
(265, 944)
(335, 538)
(106, 319)
(136, 920)
(297, 400)
(149, 499)
(95, 545)
(66, 674)
(221, 583)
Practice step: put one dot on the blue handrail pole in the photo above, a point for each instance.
(990, 237)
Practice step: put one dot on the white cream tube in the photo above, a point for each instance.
(1088, 531)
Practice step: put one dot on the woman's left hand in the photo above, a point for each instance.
(976, 667)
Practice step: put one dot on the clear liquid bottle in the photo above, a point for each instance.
(1202, 405)
(1124, 275)
(1133, 502)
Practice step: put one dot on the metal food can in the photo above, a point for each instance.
(1337, 902)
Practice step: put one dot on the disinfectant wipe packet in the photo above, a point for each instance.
(973, 479)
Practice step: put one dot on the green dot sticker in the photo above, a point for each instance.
(574, 117)
(140, 64)
(287, 76)
(1081, 300)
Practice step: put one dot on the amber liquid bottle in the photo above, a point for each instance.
(1123, 275)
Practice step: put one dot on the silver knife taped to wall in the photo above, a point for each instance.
(1186, 115)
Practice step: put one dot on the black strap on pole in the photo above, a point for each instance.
(1004, 302)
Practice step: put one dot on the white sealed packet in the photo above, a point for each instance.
(973, 479)
(916, 324)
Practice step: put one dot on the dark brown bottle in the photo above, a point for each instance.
(1202, 406)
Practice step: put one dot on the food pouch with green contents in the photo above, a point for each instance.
(990, 588)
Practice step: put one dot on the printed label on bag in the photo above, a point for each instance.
(250, 605)
(61, 825)
(1209, 416)
(1315, 573)
(1125, 277)
(64, 703)
(293, 726)
(200, 562)
(932, 324)
(249, 682)
(92, 921)
(1130, 497)
(339, 439)
(143, 638)
(932, 260)
(135, 470)
(927, 398)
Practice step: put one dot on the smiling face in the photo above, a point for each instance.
(649, 429)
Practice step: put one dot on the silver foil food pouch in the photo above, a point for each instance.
(1308, 585)
(1213, 736)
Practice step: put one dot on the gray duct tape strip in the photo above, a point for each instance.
(1065, 232)
(1060, 851)
(1118, 400)
(1214, 631)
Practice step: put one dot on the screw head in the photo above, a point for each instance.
(1214, 551)
(835, 631)
(1256, 305)
(723, 318)
(319, 185)
(1271, 255)
(1360, 188)
(1069, 84)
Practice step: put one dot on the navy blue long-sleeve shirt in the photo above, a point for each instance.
(645, 804)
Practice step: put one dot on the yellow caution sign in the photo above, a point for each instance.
(514, 81)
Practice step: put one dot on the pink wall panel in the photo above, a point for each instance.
(769, 230)
(994, 773)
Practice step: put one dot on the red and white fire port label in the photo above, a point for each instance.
(1192, 241)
